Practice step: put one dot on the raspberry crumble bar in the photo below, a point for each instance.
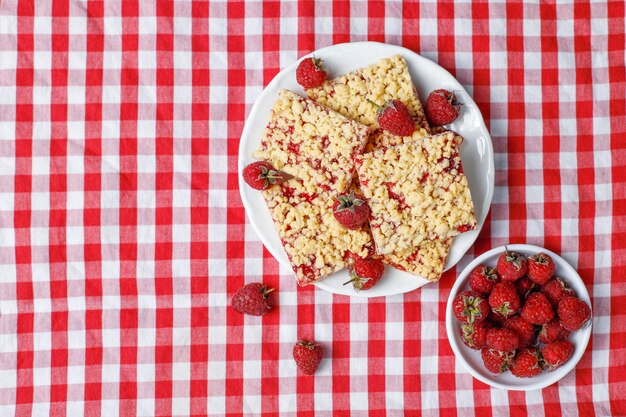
(387, 79)
(316, 244)
(416, 191)
(312, 143)
(425, 260)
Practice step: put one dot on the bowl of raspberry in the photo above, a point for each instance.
(519, 317)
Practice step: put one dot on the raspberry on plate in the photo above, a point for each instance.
(309, 73)
(540, 268)
(351, 210)
(474, 334)
(504, 299)
(557, 353)
(482, 279)
(555, 290)
(552, 331)
(526, 363)
(573, 313)
(365, 273)
(511, 266)
(524, 286)
(252, 299)
(442, 107)
(496, 361)
(524, 330)
(394, 117)
(502, 339)
(308, 355)
(537, 309)
(261, 175)
(469, 306)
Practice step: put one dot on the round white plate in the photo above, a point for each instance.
(472, 360)
(476, 153)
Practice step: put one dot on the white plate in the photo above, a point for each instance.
(476, 153)
(472, 360)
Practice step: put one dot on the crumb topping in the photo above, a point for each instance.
(311, 142)
(416, 191)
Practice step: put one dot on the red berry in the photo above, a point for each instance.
(442, 107)
(261, 175)
(351, 210)
(482, 279)
(540, 268)
(524, 286)
(309, 73)
(512, 266)
(502, 339)
(524, 330)
(469, 307)
(526, 363)
(537, 309)
(555, 290)
(496, 318)
(552, 331)
(557, 353)
(573, 313)
(394, 117)
(474, 334)
(495, 360)
(365, 273)
(308, 355)
(504, 299)
(252, 299)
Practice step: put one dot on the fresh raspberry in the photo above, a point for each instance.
(351, 210)
(524, 330)
(482, 279)
(442, 107)
(502, 339)
(524, 286)
(557, 353)
(552, 331)
(540, 268)
(555, 290)
(537, 309)
(511, 266)
(526, 363)
(504, 299)
(496, 318)
(309, 73)
(394, 117)
(365, 273)
(495, 360)
(474, 334)
(262, 175)
(308, 355)
(252, 299)
(469, 307)
(573, 313)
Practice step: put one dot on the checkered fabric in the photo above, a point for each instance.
(123, 236)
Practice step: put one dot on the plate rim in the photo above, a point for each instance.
(420, 281)
(462, 278)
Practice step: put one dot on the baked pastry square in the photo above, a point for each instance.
(316, 244)
(311, 142)
(351, 95)
(416, 191)
(426, 260)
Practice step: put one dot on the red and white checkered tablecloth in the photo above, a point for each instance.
(123, 237)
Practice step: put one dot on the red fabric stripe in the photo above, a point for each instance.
(22, 215)
(57, 218)
(199, 215)
(341, 21)
(129, 80)
(376, 354)
(92, 181)
(412, 348)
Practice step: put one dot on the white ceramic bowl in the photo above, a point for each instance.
(472, 360)
(476, 153)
